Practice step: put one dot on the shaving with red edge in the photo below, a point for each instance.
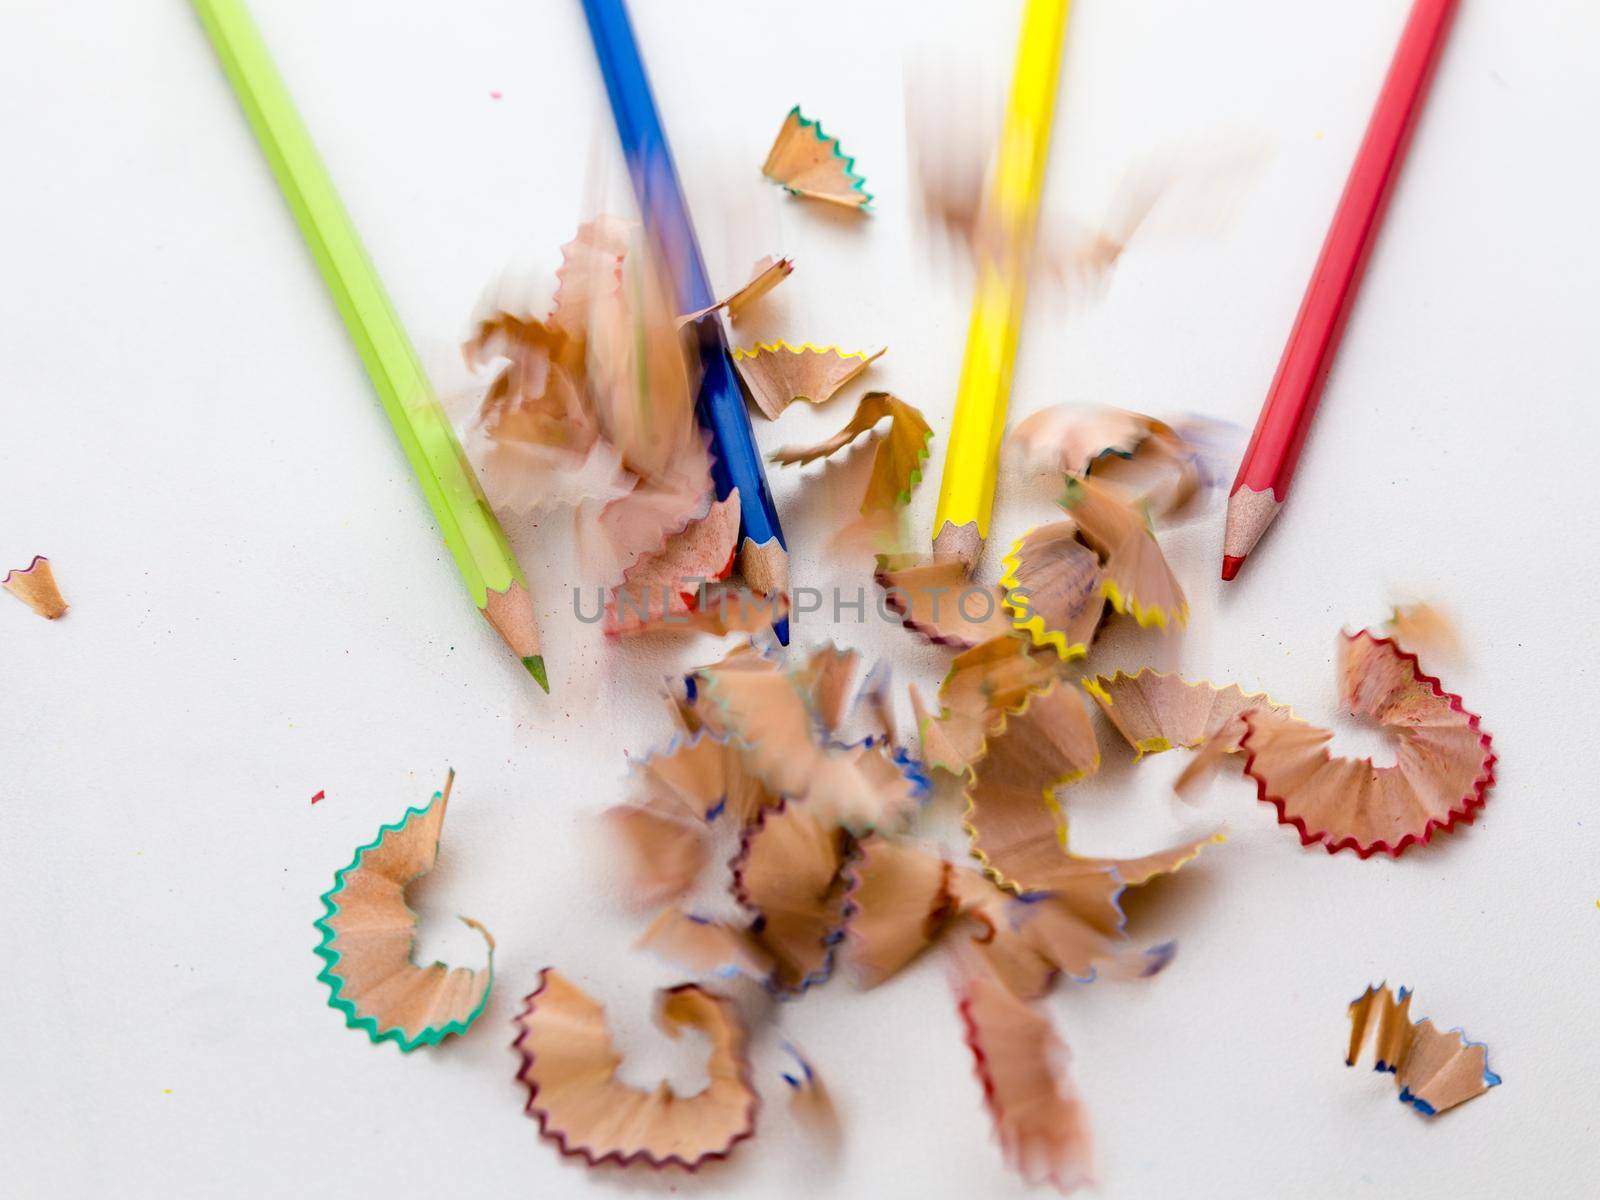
(1443, 769)
(569, 1066)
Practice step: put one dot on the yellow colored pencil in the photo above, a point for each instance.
(966, 491)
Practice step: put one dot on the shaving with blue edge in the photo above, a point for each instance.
(1434, 1069)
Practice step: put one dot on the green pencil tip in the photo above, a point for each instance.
(535, 665)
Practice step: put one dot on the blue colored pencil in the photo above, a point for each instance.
(736, 461)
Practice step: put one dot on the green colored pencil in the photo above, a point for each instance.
(477, 542)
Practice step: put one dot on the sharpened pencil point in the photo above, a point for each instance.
(535, 665)
(781, 628)
(1231, 564)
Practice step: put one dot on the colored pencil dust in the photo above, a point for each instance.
(476, 541)
(966, 490)
(1280, 434)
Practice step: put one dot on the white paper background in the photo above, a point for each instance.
(262, 607)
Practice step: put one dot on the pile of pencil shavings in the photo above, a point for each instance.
(586, 402)
(794, 772)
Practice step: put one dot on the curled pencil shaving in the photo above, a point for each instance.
(592, 404)
(897, 898)
(902, 899)
(787, 873)
(643, 377)
(1156, 711)
(569, 1066)
(669, 583)
(981, 684)
(1426, 629)
(1434, 1070)
(809, 1101)
(660, 837)
(1150, 463)
(897, 462)
(778, 374)
(807, 162)
(686, 693)
(860, 787)
(368, 934)
(533, 437)
(769, 272)
(1070, 438)
(1443, 769)
(1053, 589)
(35, 586)
(1073, 926)
(705, 946)
(939, 751)
(1135, 576)
(708, 777)
(826, 680)
(937, 601)
(1021, 1063)
(1162, 474)
(615, 535)
(1012, 817)
(662, 848)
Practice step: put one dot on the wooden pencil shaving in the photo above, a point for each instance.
(1012, 815)
(569, 1066)
(897, 898)
(704, 946)
(1156, 711)
(937, 601)
(810, 1103)
(35, 586)
(861, 787)
(778, 374)
(1443, 769)
(708, 776)
(661, 838)
(1069, 439)
(807, 162)
(1029, 942)
(368, 933)
(827, 681)
(769, 273)
(1054, 590)
(1135, 576)
(982, 684)
(661, 847)
(591, 405)
(1021, 1064)
(1426, 629)
(787, 874)
(1434, 1070)
(669, 584)
(897, 462)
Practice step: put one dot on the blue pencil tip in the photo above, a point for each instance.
(781, 628)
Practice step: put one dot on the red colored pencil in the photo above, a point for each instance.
(1280, 433)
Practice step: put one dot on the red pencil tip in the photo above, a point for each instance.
(1231, 564)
